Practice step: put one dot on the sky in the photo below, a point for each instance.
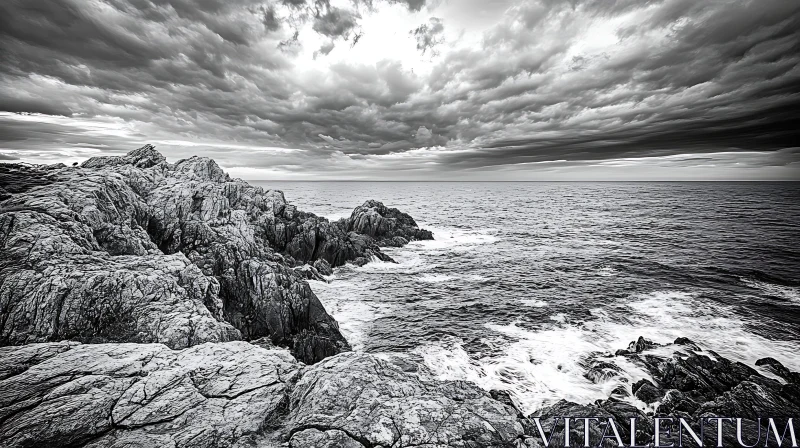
(410, 89)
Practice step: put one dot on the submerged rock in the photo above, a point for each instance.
(135, 249)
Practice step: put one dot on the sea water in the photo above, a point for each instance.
(525, 281)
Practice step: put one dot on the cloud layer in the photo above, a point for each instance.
(366, 89)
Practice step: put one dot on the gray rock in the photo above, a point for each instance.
(233, 394)
(775, 366)
(323, 267)
(646, 391)
(374, 403)
(641, 345)
(309, 272)
(385, 224)
(145, 395)
(135, 249)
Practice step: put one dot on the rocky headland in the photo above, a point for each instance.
(151, 304)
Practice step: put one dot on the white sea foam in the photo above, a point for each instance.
(337, 216)
(534, 303)
(449, 278)
(540, 367)
(408, 262)
(607, 271)
(435, 278)
(345, 301)
(790, 293)
(448, 238)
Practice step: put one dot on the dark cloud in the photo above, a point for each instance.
(579, 81)
(325, 49)
(336, 22)
(429, 35)
(270, 19)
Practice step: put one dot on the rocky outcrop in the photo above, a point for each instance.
(692, 384)
(389, 226)
(135, 249)
(359, 400)
(239, 394)
(233, 395)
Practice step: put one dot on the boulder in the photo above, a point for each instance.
(385, 224)
(646, 391)
(359, 399)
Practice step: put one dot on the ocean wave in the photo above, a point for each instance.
(407, 262)
(449, 238)
(540, 367)
(537, 369)
(347, 302)
(446, 278)
(790, 293)
(534, 303)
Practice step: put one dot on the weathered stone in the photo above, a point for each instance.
(375, 403)
(234, 394)
(385, 224)
(135, 249)
(646, 391)
(145, 395)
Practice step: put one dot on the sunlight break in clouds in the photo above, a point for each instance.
(409, 89)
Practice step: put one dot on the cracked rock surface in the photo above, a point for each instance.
(360, 400)
(135, 249)
(99, 395)
(233, 394)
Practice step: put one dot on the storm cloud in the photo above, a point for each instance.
(541, 89)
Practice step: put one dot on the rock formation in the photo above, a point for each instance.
(129, 287)
(135, 249)
(233, 394)
(690, 384)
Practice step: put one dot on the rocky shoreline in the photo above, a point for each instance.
(149, 304)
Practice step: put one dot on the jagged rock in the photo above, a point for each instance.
(125, 299)
(145, 395)
(309, 272)
(136, 249)
(233, 394)
(323, 267)
(369, 400)
(641, 345)
(646, 391)
(688, 384)
(686, 342)
(676, 401)
(774, 366)
(144, 157)
(598, 370)
(385, 224)
(617, 410)
(694, 385)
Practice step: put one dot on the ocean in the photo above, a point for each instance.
(525, 280)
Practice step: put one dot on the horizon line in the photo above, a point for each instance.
(531, 181)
